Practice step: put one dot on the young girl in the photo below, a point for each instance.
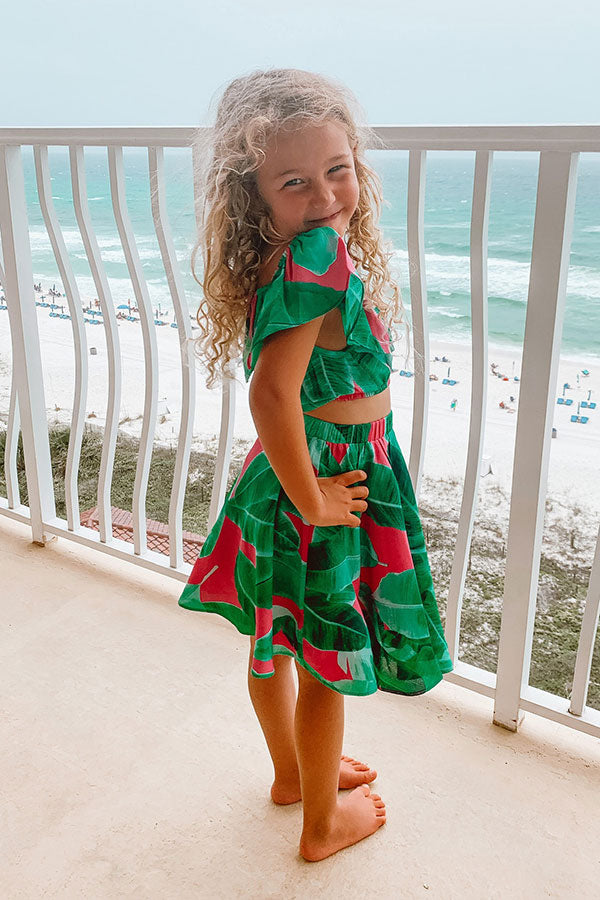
(318, 552)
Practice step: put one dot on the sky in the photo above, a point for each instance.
(421, 62)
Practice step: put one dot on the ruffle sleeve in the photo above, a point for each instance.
(312, 278)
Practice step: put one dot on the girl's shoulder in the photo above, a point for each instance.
(314, 275)
(318, 255)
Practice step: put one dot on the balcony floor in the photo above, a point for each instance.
(135, 767)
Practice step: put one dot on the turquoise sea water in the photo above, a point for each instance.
(447, 223)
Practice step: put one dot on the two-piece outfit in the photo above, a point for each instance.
(354, 606)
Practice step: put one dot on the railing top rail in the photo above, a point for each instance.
(568, 138)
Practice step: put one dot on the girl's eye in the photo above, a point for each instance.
(341, 166)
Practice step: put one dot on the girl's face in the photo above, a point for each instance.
(308, 179)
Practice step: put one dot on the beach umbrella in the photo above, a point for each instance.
(123, 306)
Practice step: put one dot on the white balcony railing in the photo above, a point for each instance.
(559, 148)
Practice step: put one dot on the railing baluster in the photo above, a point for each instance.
(27, 360)
(228, 389)
(223, 460)
(10, 462)
(13, 494)
(552, 233)
(587, 638)
(188, 372)
(140, 289)
(418, 306)
(42, 171)
(479, 325)
(113, 350)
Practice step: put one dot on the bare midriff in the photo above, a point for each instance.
(354, 412)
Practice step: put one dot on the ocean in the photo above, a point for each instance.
(448, 198)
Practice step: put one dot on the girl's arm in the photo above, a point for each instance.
(274, 398)
(284, 320)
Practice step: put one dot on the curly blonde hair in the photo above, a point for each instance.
(235, 229)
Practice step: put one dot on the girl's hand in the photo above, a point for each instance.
(338, 499)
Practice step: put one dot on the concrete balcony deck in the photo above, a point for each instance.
(134, 765)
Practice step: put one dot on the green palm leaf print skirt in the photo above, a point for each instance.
(354, 606)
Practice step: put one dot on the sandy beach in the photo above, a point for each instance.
(575, 452)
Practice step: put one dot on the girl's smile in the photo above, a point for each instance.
(327, 220)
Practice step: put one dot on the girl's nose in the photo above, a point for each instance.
(324, 196)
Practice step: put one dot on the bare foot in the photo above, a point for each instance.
(352, 773)
(357, 815)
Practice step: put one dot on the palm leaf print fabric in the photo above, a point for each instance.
(315, 274)
(354, 606)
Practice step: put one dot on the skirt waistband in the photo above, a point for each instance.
(340, 433)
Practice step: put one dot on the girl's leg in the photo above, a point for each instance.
(329, 824)
(274, 701)
(319, 728)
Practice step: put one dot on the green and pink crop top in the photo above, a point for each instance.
(314, 275)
